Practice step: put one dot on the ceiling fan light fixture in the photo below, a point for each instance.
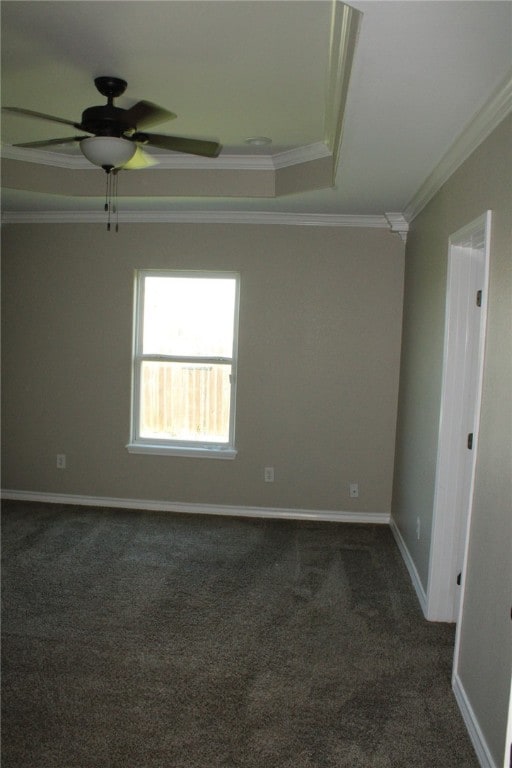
(108, 151)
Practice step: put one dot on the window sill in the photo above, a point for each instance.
(179, 450)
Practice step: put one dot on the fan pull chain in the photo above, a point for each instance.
(116, 207)
(108, 197)
(106, 194)
(111, 195)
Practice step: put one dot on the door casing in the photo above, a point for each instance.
(464, 347)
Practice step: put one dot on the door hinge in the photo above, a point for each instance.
(470, 441)
(459, 577)
(479, 298)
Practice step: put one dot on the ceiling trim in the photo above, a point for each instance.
(284, 159)
(398, 224)
(304, 154)
(197, 217)
(494, 111)
(345, 23)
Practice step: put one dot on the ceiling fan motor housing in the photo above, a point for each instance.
(106, 120)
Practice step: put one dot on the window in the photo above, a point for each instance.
(184, 363)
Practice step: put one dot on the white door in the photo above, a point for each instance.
(466, 301)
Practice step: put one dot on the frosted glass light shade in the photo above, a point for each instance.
(108, 151)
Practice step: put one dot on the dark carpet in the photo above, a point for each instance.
(134, 639)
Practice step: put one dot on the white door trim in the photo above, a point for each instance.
(442, 590)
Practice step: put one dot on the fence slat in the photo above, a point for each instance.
(185, 401)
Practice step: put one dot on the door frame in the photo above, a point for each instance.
(442, 602)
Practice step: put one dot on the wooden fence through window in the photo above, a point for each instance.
(185, 401)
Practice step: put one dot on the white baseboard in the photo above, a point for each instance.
(200, 509)
(475, 733)
(409, 562)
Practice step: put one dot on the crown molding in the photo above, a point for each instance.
(291, 157)
(398, 223)
(479, 128)
(197, 217)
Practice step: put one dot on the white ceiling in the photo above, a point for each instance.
(231, 69)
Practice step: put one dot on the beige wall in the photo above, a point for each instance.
(483, 182)
(319, 343)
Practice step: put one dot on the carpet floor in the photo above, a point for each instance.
(146, 640)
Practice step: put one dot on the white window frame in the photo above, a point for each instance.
(169, 447)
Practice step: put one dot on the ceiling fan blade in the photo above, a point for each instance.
(144, 114)
(39, 115)
(139, 161)
(48, 142)
(180, 144)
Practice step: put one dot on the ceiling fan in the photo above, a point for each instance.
(116, 132)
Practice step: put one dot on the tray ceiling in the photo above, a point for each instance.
(235, 69)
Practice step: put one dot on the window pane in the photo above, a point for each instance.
(180, 401)
(188, 316)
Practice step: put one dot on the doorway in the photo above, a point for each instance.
(466, 313)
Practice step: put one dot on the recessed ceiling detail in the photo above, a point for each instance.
(422, 93)
(297, 168)
(258, 141)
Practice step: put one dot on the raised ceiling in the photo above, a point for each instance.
(423, 74)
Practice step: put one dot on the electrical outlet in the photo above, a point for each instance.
(61, 461)
(269, 474)
(354, 490)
